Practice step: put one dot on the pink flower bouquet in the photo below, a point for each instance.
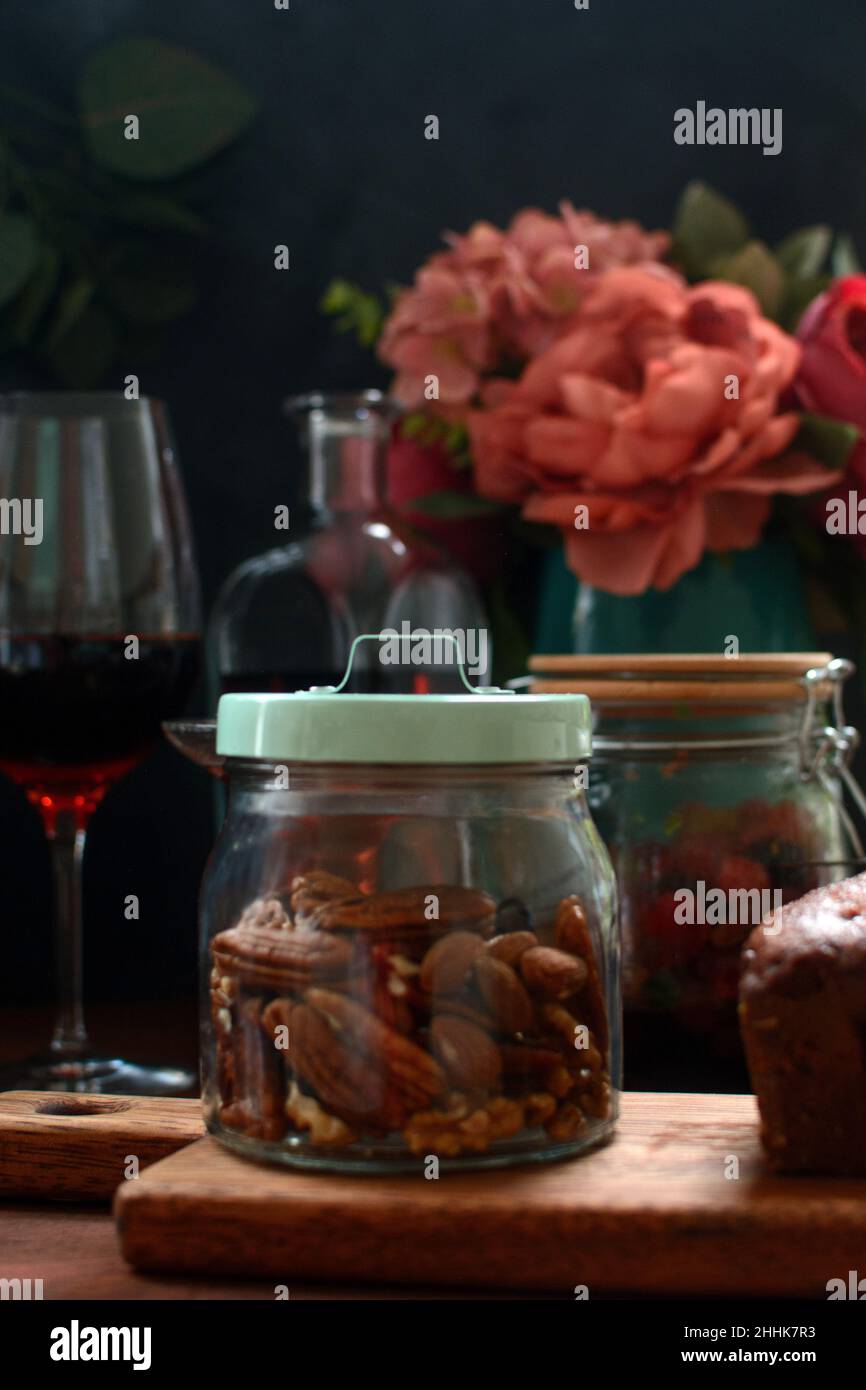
(639, 392)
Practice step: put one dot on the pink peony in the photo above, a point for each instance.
(628, 416)
(495, 298)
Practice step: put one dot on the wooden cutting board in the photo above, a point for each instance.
(652, 1212)
(58, 1145)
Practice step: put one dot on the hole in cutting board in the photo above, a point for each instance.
(83, 1105)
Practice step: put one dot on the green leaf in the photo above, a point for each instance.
(430, 429)
(414, 425)
(827, 440)
(456, 438)
(158, 213)
(19, 251)
(755, 268)
(798, 296)
(337, 296)
(453, 505)
(149, 286)
(844, 260)
(802, 254)
(71, 305)
(358, 312)
(84, 354)
(706, 225)
(36, 295)
(187, 109)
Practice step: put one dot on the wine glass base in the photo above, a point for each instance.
(96, 1075)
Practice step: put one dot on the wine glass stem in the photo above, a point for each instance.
(66, 841)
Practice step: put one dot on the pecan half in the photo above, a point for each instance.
(265, 912)
(411, 1075)
(271, 958)
(504, 994)
(311, 890)
(437, 908)
(257, 1101)
(342, 1077)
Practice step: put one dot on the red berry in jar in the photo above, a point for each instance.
(739, 872)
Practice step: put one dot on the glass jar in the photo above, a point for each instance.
(408, 933)
(716, 785)
(285, 620)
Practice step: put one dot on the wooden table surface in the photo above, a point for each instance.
(73, 1248)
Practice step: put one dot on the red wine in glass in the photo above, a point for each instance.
(99, 643)
(78, 712)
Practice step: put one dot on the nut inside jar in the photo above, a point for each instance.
(430, 1019)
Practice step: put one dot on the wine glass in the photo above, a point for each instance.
(99, 642)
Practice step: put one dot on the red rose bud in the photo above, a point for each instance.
(832, 376)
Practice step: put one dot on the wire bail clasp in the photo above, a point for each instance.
(409, 637)
(827, 757)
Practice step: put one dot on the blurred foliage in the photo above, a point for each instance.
(713, 241)
(354, 311)
(98, 241)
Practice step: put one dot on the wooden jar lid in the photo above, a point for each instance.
(695, 678)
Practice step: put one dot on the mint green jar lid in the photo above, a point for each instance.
(322, 726)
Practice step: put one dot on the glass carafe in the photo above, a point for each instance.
(285, 620)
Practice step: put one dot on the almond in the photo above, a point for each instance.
(504, 994)
(570, 928)
(552, 973)
(511, 945)
(446, 964)
(571, 931)
(471, 1061)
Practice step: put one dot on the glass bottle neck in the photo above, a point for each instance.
(346, 464)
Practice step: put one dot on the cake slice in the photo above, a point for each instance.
(803, 1021)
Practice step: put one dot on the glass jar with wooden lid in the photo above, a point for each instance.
(716, 784)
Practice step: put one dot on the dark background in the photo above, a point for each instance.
(536, 101)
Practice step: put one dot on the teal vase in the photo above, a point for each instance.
(757, 596)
